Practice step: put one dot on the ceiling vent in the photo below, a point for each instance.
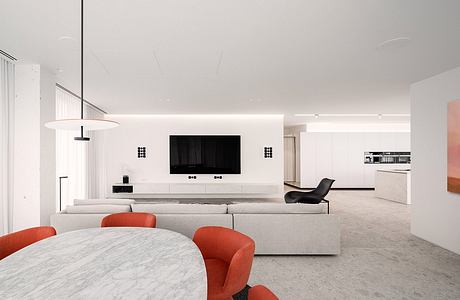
(395, 43)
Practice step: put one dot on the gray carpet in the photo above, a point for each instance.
(380, 259)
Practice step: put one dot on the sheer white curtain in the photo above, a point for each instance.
(6, 146)
(77, 160)
(95, 158)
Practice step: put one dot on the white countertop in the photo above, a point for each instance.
(106, 263)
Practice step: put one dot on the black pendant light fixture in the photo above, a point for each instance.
(81, 137)
(79, 124)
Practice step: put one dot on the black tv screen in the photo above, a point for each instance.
(205, 154)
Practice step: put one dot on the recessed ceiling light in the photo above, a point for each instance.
(394, 43)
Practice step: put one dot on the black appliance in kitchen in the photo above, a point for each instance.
(387, 157)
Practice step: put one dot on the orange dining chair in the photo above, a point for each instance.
(15, 241)
(228, 257)
(129, 219)
(260, 292)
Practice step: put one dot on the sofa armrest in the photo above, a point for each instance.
(291, 234)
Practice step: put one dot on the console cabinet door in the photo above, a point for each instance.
(187, 188)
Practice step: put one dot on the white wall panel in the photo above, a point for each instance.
(340, 158)
(308, 159)
(323, 155)
(356, 165)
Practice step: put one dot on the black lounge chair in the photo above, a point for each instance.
(313, 197)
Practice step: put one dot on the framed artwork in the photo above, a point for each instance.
(453, 146)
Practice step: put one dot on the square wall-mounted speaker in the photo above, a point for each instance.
(268, 152)
(141, 152)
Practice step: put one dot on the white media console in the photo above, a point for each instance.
(196, 190)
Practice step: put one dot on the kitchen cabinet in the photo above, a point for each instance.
(340, 156)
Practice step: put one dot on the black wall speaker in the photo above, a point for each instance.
(268, 152)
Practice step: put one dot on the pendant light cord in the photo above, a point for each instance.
(81, 59)
(81, 68)
(72, 123)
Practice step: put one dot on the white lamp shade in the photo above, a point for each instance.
(75, 124)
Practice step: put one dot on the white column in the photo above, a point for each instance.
(6, 145)
(34, 156)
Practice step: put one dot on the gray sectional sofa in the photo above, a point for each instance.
(277, 228)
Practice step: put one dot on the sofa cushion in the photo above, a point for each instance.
(166, 208)
(97, 209)
(68, 222)
(276, 208)
(103, 201)
(187, 224)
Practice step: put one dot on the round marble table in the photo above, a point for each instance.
(106, 263)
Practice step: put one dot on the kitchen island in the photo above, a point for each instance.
(393, 185)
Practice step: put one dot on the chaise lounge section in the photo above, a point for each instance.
(288, 229)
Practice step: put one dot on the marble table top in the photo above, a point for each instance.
(106, 263)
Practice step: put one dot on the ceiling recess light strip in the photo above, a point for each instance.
(79, 124)
(352, 115)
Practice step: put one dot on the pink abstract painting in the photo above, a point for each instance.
(453, 146)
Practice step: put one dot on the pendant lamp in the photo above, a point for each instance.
(79, 124)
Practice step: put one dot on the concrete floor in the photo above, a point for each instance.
(380, 259)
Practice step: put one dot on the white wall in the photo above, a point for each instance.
(26, 211)
(34, 159)
(152, 131)
(340, 156)
(435, 212)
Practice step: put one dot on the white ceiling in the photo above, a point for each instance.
(238, 56)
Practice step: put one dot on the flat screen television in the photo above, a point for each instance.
(205, 154)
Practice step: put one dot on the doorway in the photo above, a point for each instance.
(289, 159)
